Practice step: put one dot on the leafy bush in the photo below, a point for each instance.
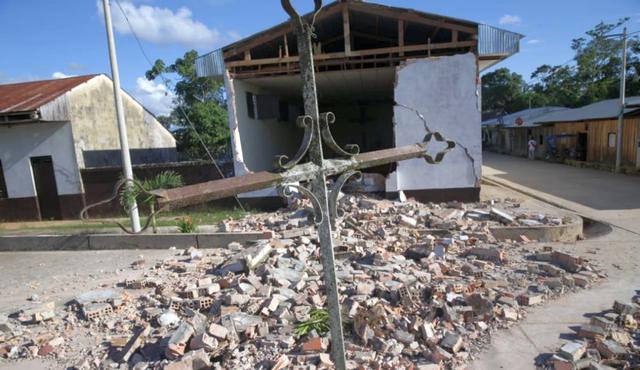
(186, 225)
(318, 321)
(164, 180)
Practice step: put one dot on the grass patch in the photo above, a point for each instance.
(200, 216)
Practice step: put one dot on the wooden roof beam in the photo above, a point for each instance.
(276, 32)
(410, 17)
(357, 53)
(346, 29)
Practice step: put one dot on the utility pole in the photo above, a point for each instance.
(623, 74)
(122, 127)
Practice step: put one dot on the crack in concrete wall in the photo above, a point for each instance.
(438, 94)
(459, 145)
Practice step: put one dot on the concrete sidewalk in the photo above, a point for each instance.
(599, 195)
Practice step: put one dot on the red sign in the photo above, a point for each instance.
(519, 121)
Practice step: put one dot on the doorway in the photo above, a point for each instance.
(46, 188)
(581, 147)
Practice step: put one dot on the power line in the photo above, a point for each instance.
(179, 106)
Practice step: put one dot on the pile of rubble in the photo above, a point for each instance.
(422, 286)
(610, 341)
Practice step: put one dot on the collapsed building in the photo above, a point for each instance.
(389, 74)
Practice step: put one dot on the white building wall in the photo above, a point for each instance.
(445, 92)
(256, 142)
(21, 142)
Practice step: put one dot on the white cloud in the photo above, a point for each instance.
(163, 26)
(510, 19)
(533, 41)
(154, 96)
(57, 75)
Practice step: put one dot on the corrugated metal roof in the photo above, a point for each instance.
(529, 117)
(210, 64)
(29, 96)
(605, 109)
(493, 41)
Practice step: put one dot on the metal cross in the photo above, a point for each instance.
(290, 172)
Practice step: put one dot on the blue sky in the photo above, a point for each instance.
(44, 39)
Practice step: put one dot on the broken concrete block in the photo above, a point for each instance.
(136, 341)
(622, 308)
(96, 311)
(451, 342)
(37, 313)
(491, 254)
(258, 255)
(568, 262)
(591, 332)
(314, 345)
(218, 331)
(610, 349)
(559, 363)
(602, 322)
(178, 341)
(510, 314)
(193, 360)
(530, 299)
(407, 221)
(502, 216)
(203, 341)
(573, 351)
(439, 354)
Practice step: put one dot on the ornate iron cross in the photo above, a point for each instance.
(315, 172)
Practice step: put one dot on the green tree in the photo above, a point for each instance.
(555, 86)
(200, 100)
(593, 75)
(503, 91)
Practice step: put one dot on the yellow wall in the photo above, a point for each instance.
(94, 124)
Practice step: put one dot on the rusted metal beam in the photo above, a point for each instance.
(170, 199)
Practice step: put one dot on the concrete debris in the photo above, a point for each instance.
(423, 286)
(605, 343)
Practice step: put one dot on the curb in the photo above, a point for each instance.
(124, 241)
(561, 233)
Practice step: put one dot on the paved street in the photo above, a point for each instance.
(596, 194)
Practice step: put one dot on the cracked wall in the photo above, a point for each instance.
(439, 94)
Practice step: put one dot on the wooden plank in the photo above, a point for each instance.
(357, 53)
(375, 37)
(286, 46)
(346, 28)
(275, 32)
(410, 16)
(401, 35)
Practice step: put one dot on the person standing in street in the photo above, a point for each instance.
(532, 144)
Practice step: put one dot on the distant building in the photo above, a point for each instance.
(585, 134)
(509, 133)
(52, 130)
